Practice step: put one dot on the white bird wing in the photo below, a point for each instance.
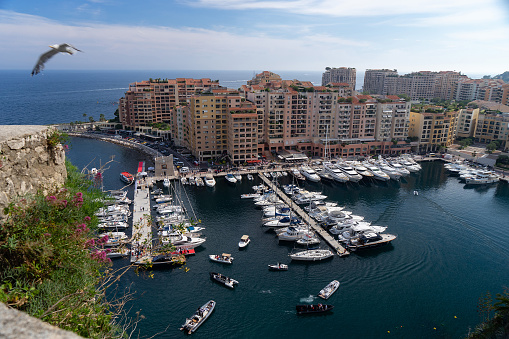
(71, 46)
(39, 66)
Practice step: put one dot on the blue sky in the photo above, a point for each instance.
(471, 36)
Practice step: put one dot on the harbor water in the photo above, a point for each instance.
(450, 250)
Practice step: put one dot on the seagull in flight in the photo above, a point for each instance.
(55, 49)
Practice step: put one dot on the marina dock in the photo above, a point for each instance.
(142, 227)
(340, 250)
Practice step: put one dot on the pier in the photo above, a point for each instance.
(141, 245)
(340, 250)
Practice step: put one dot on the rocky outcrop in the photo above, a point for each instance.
(15, 324)
(28, 163)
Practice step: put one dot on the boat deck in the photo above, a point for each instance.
(142, 228)
(340, 250)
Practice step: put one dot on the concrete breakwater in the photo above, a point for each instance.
(117, 141)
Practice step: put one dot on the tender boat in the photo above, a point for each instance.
(329, 290)
(311, 255)
(209, 180)
(250, 177)
(199, 181)
(224, 258)
(127, 177)
(222, 279)
(278, 267)
(198, 317)
(231, 178)
(310, 309)
(244, 241)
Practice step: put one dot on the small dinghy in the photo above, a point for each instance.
(329, 290)
(224, 258)
(312, 309)
(223, 280)
(198, 317)
(278, 267)
(244, 241)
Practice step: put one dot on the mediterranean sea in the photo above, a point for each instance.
(451, 249)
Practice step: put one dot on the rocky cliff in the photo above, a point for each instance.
(28, 162)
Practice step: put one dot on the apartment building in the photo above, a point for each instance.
(152, 101)
(222, 124)
(467, 122)
(342, 74)
(433, 130)
(491, 127)
(375, 80)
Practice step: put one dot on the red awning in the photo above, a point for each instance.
(253, 161)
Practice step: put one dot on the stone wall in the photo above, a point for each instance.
(28, 163)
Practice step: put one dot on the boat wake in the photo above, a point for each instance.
(265, 292)
(308, 299)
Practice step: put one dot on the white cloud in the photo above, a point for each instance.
(345, 8)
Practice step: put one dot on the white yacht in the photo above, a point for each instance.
(483, 177)
(311, 255)
(361, 169)
(378, 174)
(334, 172)
(309, 173)
(306, 197)
(282, 222)
(238, 176)
(231, 178)
(209, 180)
(179, 240)
(398, 167)
(350, 172)
(292, 233)
(390, 171)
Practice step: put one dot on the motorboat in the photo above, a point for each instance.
(378, 174)
(282, 222)
(163, 198)
(114, 239)
(334, 172)
(393, 173)
(292, 233)
(312, 309)
(291, 189)
(329, 290)
(312, 255)
(399, 167)
(309, 173)
(238, 176)
(199, 317)
(244, 241)
(306, 197)
(230, 178)
(250, 177)
(183, 180)
(278, 267)
(410, 166)
(120, 252)
(166, 182)
(199, 181)
(224, 280)
(250, 195)
(350, 172)
(369, 239)
(209, 180)
(192, 181)
(482, 178)
(127, 177)
(297, 175)
(177, 239)
(120, 225)
(308, 240)
(224, 258)
(276, 210)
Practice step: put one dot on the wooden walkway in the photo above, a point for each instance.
(340, 250)
(141, 244)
